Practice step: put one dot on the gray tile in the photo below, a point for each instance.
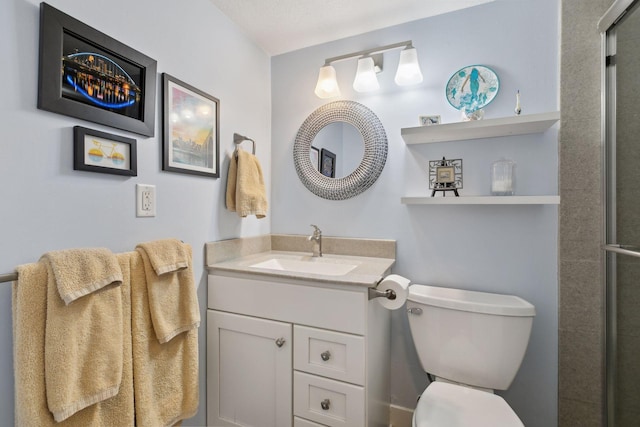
(574, 413)
(580, 366)
(628, 297)
(581, 296)
(586, 248)
(579, 18)
(628, 214)
(580, 165)
(580, 88)
(628, 379)
(627, 417)
(580, 214)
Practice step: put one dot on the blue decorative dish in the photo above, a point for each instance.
(472, 87)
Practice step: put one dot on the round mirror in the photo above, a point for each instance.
(337, 150)
(340, 150)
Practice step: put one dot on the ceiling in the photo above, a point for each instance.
(281, 26)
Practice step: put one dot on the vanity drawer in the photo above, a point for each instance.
(301, 422)
(288, 302)
(330, 354)
(326, 401)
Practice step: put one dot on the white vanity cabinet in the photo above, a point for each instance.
(251, 370)
(290, 352)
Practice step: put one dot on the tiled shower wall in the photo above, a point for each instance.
(581, 292)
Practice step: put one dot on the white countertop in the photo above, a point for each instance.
(368, 271)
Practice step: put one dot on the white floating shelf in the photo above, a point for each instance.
(477, 129)
(482, 200)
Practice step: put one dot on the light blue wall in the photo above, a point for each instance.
(46, 205)
(505, 249)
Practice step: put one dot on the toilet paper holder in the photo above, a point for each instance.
(388, 294)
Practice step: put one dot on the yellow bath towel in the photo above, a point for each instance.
(165, 375)
(30, 309)
(79, 272)
(173, 302)
(167, 255)
(83, 339)
(246, 192)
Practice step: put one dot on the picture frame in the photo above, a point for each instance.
(445, 175)
(327, 163)
(315, 157)
(86, 74)
(97, 151)
(429, 120)
(191, 129)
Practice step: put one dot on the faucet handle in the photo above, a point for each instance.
(317, 230)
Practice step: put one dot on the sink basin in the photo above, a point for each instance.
(308, 265)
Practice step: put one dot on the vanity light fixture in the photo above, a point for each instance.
(366, 80)
(327, 86)
(408, 68)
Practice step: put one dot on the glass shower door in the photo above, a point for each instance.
(623, 216)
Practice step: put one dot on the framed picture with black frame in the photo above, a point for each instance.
(191, 129)
(97, 151)
(327, 163)
(86, 74)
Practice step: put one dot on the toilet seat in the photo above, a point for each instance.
(450, 405)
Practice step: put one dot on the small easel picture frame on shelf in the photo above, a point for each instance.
(445, 175)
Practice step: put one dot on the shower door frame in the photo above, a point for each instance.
(611, 248)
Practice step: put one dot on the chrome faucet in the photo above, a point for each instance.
(316, 238)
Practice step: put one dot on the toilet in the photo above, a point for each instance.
(473, 343)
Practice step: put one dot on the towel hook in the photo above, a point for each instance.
(239, 139)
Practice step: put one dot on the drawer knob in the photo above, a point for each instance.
(280, 342)
(325, 355)
(325, 404)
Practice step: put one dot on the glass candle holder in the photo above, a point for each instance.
(503, 177)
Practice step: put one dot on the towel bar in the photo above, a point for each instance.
(8, 277)
(239, 139)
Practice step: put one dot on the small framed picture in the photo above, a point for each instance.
(429, 120)
(96, 151)
(315, 157)
(445, 174)
(327, 163)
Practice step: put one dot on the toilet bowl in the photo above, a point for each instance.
(443, 404)
(474, 343)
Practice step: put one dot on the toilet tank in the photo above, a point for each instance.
(473, 338)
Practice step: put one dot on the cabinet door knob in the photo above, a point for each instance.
(280, 342)
(325, 404)
(325, 355)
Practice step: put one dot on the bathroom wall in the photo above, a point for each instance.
(507, 249)
(46, 205)
(581, 273)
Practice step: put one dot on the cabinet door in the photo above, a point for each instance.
(249, 371)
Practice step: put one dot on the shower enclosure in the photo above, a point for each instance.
(620, 27)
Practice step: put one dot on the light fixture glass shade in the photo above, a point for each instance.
(366, 79)
(408, 69)
(327, 86)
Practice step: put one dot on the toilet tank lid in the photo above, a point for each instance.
(473, 301)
